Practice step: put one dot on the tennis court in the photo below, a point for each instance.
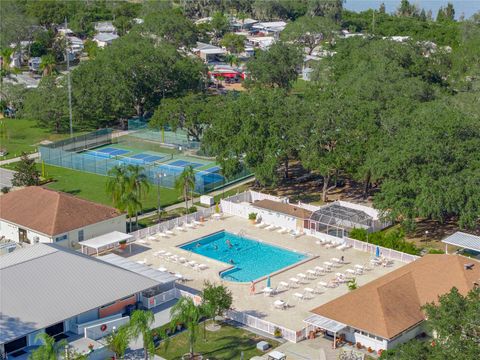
(98, 153)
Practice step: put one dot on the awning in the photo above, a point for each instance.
(144, 270)
(325, 323)
(463, 240)
(106, 241)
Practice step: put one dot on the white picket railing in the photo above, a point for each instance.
(171, 224)
(263, 325)
(386, 252)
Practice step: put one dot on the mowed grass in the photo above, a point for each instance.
(22, 135)
(92, 187)
(227, 343)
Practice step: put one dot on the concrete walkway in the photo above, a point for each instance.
(181, 204)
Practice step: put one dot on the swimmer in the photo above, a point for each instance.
(229, 244)
(215, 247)
(231, 261)
(198, 245)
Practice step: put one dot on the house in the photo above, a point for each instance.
(261, 42)
(281, 214)
(105, 27)
(65, 294)
(75, 44)
(208, 52)
(387, 311)
(269, 28)
(35, 214)
(240, 25)
(104, 39)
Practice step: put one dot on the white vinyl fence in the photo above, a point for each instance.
(171, 224)
(388, 253)
(265, 326)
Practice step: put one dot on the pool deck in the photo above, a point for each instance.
(259, 305)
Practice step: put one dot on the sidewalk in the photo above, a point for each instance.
(181, 204)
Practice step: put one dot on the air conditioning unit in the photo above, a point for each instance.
(36, 239)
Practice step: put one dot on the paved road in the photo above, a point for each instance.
(6, 177)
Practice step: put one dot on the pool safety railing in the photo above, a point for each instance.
(386, 252)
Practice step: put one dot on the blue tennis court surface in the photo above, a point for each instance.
(112, 151)
(183, 163)
(214, 169)
(146, 158)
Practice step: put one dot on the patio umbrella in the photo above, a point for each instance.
(268, 281)
(377, 252)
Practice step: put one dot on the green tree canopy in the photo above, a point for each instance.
(275, 67)
(234, 43)
(26, 172)
(309, 31)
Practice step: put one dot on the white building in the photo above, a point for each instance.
(387, 311)
(105, 27)
(208, 52)
(35, 214)
(46, 288)
(104, 39)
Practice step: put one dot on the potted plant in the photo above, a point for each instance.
(359, 345)
(123, 244)
(252, 217)
(370, 350)
(90, 347)
(277, 332)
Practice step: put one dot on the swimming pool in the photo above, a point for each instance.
(252, 259)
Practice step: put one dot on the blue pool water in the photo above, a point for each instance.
(251, 259)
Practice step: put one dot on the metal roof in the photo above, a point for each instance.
(341, 216)
(112, 238)
(161, 276)
(463, 240)
(325, 323)
(44, 284)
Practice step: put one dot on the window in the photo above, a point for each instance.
(61, 238)
(80, 235)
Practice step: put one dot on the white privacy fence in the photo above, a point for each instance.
(265, 326)
(171, 224)
(388, 253)
(103, 329)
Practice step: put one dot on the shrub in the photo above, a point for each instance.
(359, 345)
(435, 251)
(277, 332)
(370, 350)
(192, 210)
(394, 239)
(5, 190)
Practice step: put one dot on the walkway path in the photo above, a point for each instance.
(181, 204)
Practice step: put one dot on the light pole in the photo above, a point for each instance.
(426, 237)
(159, 210)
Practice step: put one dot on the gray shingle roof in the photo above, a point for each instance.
(45, 284)
(463, 240)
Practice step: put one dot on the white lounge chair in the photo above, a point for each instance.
(202, 266)
(270, 227)
(261, 225)
(162, 235)
(319, 270)
(282, 230)
(180, 228)
(197, 222)
(311, 274)
(282, 285)
(299, 296)
(169, 232)
(294, 282)
(309, 292)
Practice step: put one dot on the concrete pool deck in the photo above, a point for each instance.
(259, 305)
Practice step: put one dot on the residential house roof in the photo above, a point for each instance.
(283, 208)
(51, 212)
(105, 37)
(392, 303)
(44, 284)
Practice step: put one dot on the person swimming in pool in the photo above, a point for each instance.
(229, 244)
(215, 247)
(198, 245)
(231, 261)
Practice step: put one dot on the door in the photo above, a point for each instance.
(55, 329)
(22, 236)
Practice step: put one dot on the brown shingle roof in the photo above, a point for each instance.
(51, 212)
(283, 208)
(391, 304)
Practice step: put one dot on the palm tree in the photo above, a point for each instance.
(139, 186)
(140, 324)
(231, 59)
(187, 313)
(116, 186)
(49, 350)
(185, 183)
(47, 64)
(118, 341)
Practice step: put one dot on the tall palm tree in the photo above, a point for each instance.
(118, 341)
(187, 313)
(140, 325)
(116, 186)
(185, 183)
(47, 64)
(139, 186)
(49, 350)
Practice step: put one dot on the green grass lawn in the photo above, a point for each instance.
(299, 86)
(227, 343)
(92, 187)
(23, 135)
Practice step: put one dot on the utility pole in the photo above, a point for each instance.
(69, 83)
